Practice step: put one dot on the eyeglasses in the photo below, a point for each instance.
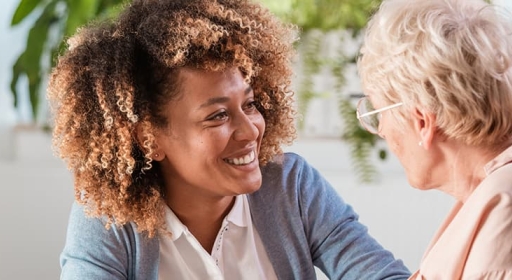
(369, 117)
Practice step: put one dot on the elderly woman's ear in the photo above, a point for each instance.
(424, 124)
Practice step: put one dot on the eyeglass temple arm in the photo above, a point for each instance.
(378, 110)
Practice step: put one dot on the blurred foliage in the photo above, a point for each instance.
(360, 140)
(325, 15)
(52, 21)
(316, 18)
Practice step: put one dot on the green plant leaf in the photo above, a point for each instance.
(111, 9)
(29, 62)
(316, 18)
(76, 13)
(79, 13)
(23, 10)
(17, 70)
(312, 65)
(280, 8)
(383, 154)
(360, 141)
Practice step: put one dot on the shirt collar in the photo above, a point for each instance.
(238, 216)
(502, 159)
(174, 225)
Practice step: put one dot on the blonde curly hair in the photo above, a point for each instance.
(116, 76)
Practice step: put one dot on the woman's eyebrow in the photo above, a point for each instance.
(214, 100)
(222, 99)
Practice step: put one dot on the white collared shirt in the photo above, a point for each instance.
(237, 253)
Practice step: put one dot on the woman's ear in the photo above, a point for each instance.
(425, 126)
(141, 136)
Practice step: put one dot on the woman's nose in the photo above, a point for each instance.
(247, 128)
(381, 135)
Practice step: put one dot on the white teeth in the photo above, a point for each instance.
(242, 160)
(247, 159)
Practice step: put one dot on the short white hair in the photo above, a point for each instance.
(450, 57)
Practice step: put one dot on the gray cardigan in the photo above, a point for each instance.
(301, 219)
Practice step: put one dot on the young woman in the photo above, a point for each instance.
(171, 119)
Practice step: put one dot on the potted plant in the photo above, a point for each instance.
(51, 22)
(54, 21)
(318, 20)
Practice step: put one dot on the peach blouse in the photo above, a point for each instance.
(475, 240)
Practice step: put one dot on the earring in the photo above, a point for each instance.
(156, 155)
(420, 143)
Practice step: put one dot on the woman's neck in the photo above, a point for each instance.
(465, 165)
(202, 216)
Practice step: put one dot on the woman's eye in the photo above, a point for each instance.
(219, 116)
(252, 105)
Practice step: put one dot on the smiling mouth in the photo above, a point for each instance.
(242, 160)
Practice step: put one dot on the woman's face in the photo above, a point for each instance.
(212, 144)
(404, 142)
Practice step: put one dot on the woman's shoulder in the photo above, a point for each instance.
(496, 187)
(288, 162)
(292, 174)
(288, 170)
(96, 231)
(105, 252)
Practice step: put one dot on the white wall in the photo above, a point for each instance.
(36, 194)
(36, 189)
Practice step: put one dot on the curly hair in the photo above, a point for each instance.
(116, 76)
(450, 57)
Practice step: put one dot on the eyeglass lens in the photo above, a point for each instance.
(371, 122)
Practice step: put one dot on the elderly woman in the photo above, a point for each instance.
(438, 79)
(171, 119)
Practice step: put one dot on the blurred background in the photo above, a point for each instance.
(37, 189)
